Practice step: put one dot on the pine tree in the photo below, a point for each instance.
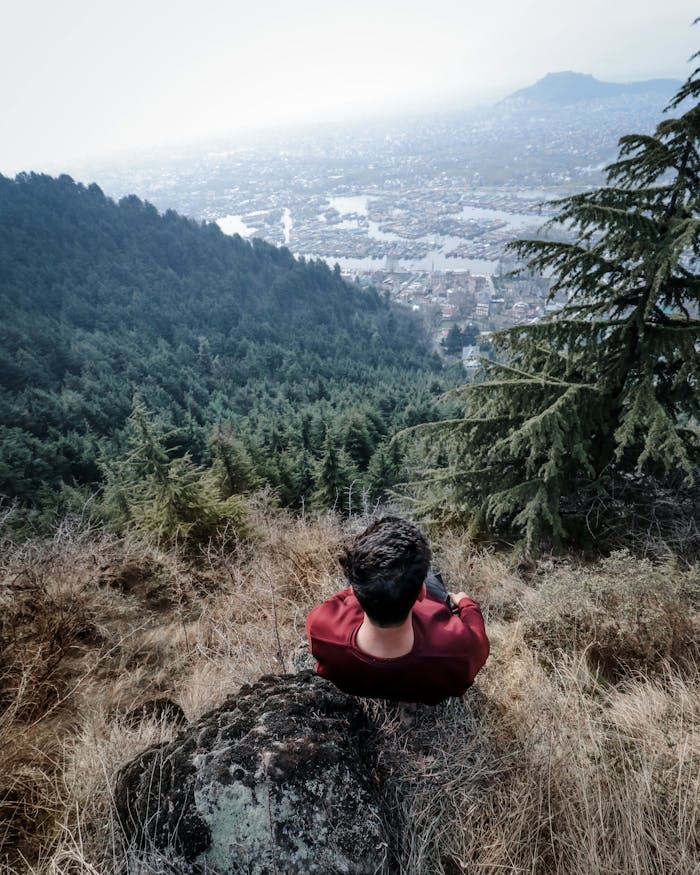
(305, 475)
(357, 440)
(454, 341)
(233, 466)
(172, 499)
(384, 470)
(334, 476)
(603, 396)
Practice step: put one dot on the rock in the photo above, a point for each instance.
(302, 658)
(273, 781)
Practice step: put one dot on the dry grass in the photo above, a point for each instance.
(558, 761)
(546, 772)
(489, 578)
(83, 626)
(627, 615)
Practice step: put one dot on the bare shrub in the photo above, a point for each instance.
(29, 805)
(300, 554)
(256, 623)
(46, 614)
(544, 767)
(78, 627)
(87, 839)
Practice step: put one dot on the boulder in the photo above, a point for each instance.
(273, 781)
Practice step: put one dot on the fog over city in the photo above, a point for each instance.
(81, 80)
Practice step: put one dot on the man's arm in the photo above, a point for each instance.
(470, 615)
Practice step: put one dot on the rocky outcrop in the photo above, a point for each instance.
(273, 781)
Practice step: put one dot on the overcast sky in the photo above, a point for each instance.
(84, 78)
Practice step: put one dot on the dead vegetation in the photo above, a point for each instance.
(578, 751)
(629, 617)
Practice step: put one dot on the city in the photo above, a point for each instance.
(422, 209)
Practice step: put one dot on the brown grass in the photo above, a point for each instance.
(490, 578)
(626, 615)
(550, 774)
(577, 751)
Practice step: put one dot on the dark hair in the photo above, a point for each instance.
(386, 566)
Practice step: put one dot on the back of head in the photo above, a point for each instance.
(386, 566)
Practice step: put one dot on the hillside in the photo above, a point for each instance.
(100, 299)
(577, 750)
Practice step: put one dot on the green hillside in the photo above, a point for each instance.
(101, 299)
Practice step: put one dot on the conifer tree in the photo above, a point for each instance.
(305, 475)
(357, 440)
(233, 466)
(334, 475)
(384, 470)
(170, 498)
(604, 395)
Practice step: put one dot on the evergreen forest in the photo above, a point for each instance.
(128, 332)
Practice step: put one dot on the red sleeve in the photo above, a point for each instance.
(309, 621)
(471, 617)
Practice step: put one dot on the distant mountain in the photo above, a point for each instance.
(566, 88)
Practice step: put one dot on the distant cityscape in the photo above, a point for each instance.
(477, 304)
(422, 209)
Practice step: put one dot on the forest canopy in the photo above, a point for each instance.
(293, 368)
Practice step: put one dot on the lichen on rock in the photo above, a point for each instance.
(274, 780)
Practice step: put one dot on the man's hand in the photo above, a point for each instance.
(458, 596)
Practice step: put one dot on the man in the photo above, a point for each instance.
(390, 636)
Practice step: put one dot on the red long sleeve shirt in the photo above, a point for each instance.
(448, 650)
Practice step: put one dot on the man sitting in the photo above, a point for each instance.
(389, 636)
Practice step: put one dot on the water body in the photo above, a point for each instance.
(515, 220)
(434, 260)
(539, 194)
(437, 261)
(235, 225)
(287, 224)
(437, 258)
(354, 204)
(374, 232)
(359, 204)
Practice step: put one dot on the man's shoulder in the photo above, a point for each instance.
(343, 600)
(332, 619)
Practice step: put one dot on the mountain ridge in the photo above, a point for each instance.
(567, 87)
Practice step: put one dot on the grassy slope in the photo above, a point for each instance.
(578, 751)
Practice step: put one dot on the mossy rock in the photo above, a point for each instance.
(272, 781)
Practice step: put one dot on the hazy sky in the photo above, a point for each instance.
(84, 78)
